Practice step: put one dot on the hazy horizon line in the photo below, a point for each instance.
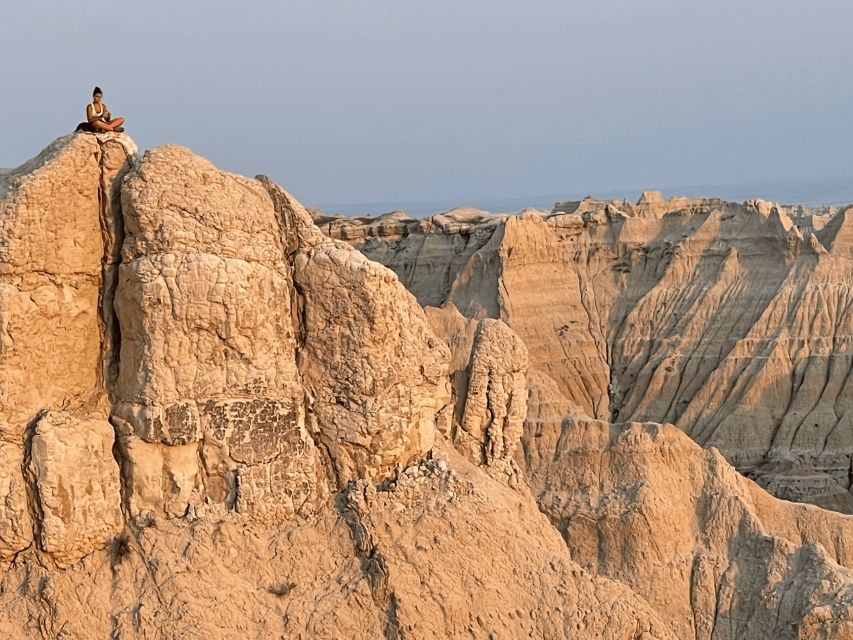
(807, 193)
(836, 191)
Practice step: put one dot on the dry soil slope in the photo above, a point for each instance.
(710, 550)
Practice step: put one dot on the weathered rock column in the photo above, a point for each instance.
(208, 395)
(53, 215)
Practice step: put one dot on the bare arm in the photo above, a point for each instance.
(90, 114)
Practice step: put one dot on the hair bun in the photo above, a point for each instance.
(96, 90)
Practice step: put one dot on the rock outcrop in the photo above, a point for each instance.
(377, 375)
(54, 334)
(731, 321)
(208, 395)
(201, 395)
(76, 485)
(489, 380)
(210, 406)
(496, 402)
(249, 340)
(710, 550)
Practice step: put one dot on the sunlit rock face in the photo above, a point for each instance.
(56, 239)
(731, 321)
(210, 406)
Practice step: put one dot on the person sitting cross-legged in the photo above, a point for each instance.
(98, 115)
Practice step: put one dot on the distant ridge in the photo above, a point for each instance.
(809, 193)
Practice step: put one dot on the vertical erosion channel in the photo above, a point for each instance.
(115, 162)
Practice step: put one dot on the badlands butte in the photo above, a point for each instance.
(220, 418)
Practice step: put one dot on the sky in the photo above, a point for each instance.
(353, 104)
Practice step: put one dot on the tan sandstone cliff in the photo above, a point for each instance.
(209, 406)
(216, 422)
(728, 320)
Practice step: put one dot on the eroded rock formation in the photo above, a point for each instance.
(217, 422)
(707, 548)
(54, 260)
(208, 396)
(731, 321)
(489, 380)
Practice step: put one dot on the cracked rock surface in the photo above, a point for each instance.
(218, 422)
(53, 260)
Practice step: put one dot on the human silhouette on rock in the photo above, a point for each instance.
(98, 117)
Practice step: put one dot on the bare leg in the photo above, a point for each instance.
(101, 126)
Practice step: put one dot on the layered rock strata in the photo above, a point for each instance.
(732, 321)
